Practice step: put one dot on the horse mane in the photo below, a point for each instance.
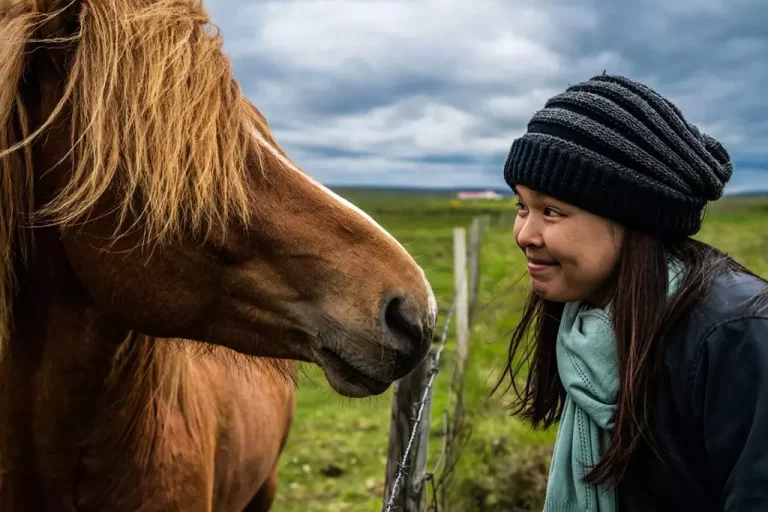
(151, 378)
(16, 177)
(146, 79)
(158, 124)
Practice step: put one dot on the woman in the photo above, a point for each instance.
(649, 348)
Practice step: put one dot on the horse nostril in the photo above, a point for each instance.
(404, 323)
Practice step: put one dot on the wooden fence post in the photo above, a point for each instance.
(456, 421)
(462, 300)
(406, 400)
(408, 391)
(476, 231)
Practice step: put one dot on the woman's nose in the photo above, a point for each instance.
(528, 233)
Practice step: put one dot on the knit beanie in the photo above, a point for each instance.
(619, 149)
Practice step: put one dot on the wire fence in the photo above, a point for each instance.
(389, 505)
(405, 488)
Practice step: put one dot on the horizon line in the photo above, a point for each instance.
(504, 191)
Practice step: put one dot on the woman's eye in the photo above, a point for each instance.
(551, 212)
(520, 206)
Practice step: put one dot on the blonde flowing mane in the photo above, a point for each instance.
(157, 122)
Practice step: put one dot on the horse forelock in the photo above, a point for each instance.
(16, 176)
(157, 123)
(158, 120)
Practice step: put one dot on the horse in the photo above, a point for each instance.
(163, 266)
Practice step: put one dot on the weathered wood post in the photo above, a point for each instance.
(410, 391)
(407, 396)
(461, 284)
(462, 294)
(476, 231)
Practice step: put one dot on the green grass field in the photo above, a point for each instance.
(503, 467)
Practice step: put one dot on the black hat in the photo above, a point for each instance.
(619, 149)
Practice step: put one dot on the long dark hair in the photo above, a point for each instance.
(642, 317)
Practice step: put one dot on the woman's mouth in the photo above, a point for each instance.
(538, 266)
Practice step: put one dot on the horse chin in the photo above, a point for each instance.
(354, 389)
(345, 379)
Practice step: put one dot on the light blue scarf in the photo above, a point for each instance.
(588, 365)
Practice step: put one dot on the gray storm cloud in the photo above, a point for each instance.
(432, 92)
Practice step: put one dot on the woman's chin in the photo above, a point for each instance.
(549, 291)
(541, 288)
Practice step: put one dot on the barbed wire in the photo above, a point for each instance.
(451, 432)
(417, 422)
(455, 429)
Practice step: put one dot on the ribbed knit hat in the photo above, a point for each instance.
(617, 148)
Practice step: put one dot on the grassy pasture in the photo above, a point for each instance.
(336, 456)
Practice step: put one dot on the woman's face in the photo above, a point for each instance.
(571, 253)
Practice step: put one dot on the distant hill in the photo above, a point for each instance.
(443, 191)
(749, 193)
(415, 190)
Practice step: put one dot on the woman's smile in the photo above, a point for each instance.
(539, 267)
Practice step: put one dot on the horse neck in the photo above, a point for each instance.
(71, 378)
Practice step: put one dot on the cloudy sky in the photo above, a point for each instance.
(432, 92)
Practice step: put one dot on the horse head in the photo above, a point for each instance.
(123, 128)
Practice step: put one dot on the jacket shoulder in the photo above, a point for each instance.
(728, 389)
(714, 327)
(731, 299)
(727, 334)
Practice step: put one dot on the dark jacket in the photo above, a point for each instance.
(711, 412)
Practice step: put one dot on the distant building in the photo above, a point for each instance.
(479, 195)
